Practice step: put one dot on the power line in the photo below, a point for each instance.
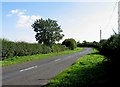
(112, 14)
(119, 17)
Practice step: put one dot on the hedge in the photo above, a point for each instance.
(10, 49)
(58, 48)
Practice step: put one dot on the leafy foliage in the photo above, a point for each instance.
(47, 31)
(58, 48)
(111, 47)
(11, 49)
(70, 43)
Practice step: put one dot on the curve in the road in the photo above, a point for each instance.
(39, 72)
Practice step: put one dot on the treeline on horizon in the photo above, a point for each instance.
(108, 47)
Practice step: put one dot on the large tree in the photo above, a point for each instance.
(47, 31)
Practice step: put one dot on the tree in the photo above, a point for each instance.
(70, 43)
(47, 31)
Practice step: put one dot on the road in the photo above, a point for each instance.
(39, 72)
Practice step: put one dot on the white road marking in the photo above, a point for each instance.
(28, 68)
(57, 60)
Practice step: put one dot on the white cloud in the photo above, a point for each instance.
(24, 21)
(14, 11)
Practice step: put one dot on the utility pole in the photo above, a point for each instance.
(100, 34)
(119, 17)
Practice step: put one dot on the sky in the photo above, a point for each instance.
(78, 20)
(58, 0)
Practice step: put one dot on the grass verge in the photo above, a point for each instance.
(17, 59)
(88, 71)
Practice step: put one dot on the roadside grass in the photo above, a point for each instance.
(17, 59)
(88, 71)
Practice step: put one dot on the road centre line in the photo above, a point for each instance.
(57, 60)
(28, 68)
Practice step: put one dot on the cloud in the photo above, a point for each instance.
(12, 12)
(16, 12)
(24, 21)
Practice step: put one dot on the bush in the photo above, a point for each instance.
(70, 43)
(111, 47)
(58, 48)
(7, 49)
(10, 49)
(46, 49)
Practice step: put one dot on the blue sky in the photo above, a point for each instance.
(58, 0)
(0, 20)
(80, 20)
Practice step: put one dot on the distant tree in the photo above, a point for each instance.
(78, 42)
(47, 31)
(95, 42)
(84, 41)
(70, 43)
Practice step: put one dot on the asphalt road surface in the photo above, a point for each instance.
(39, 72)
